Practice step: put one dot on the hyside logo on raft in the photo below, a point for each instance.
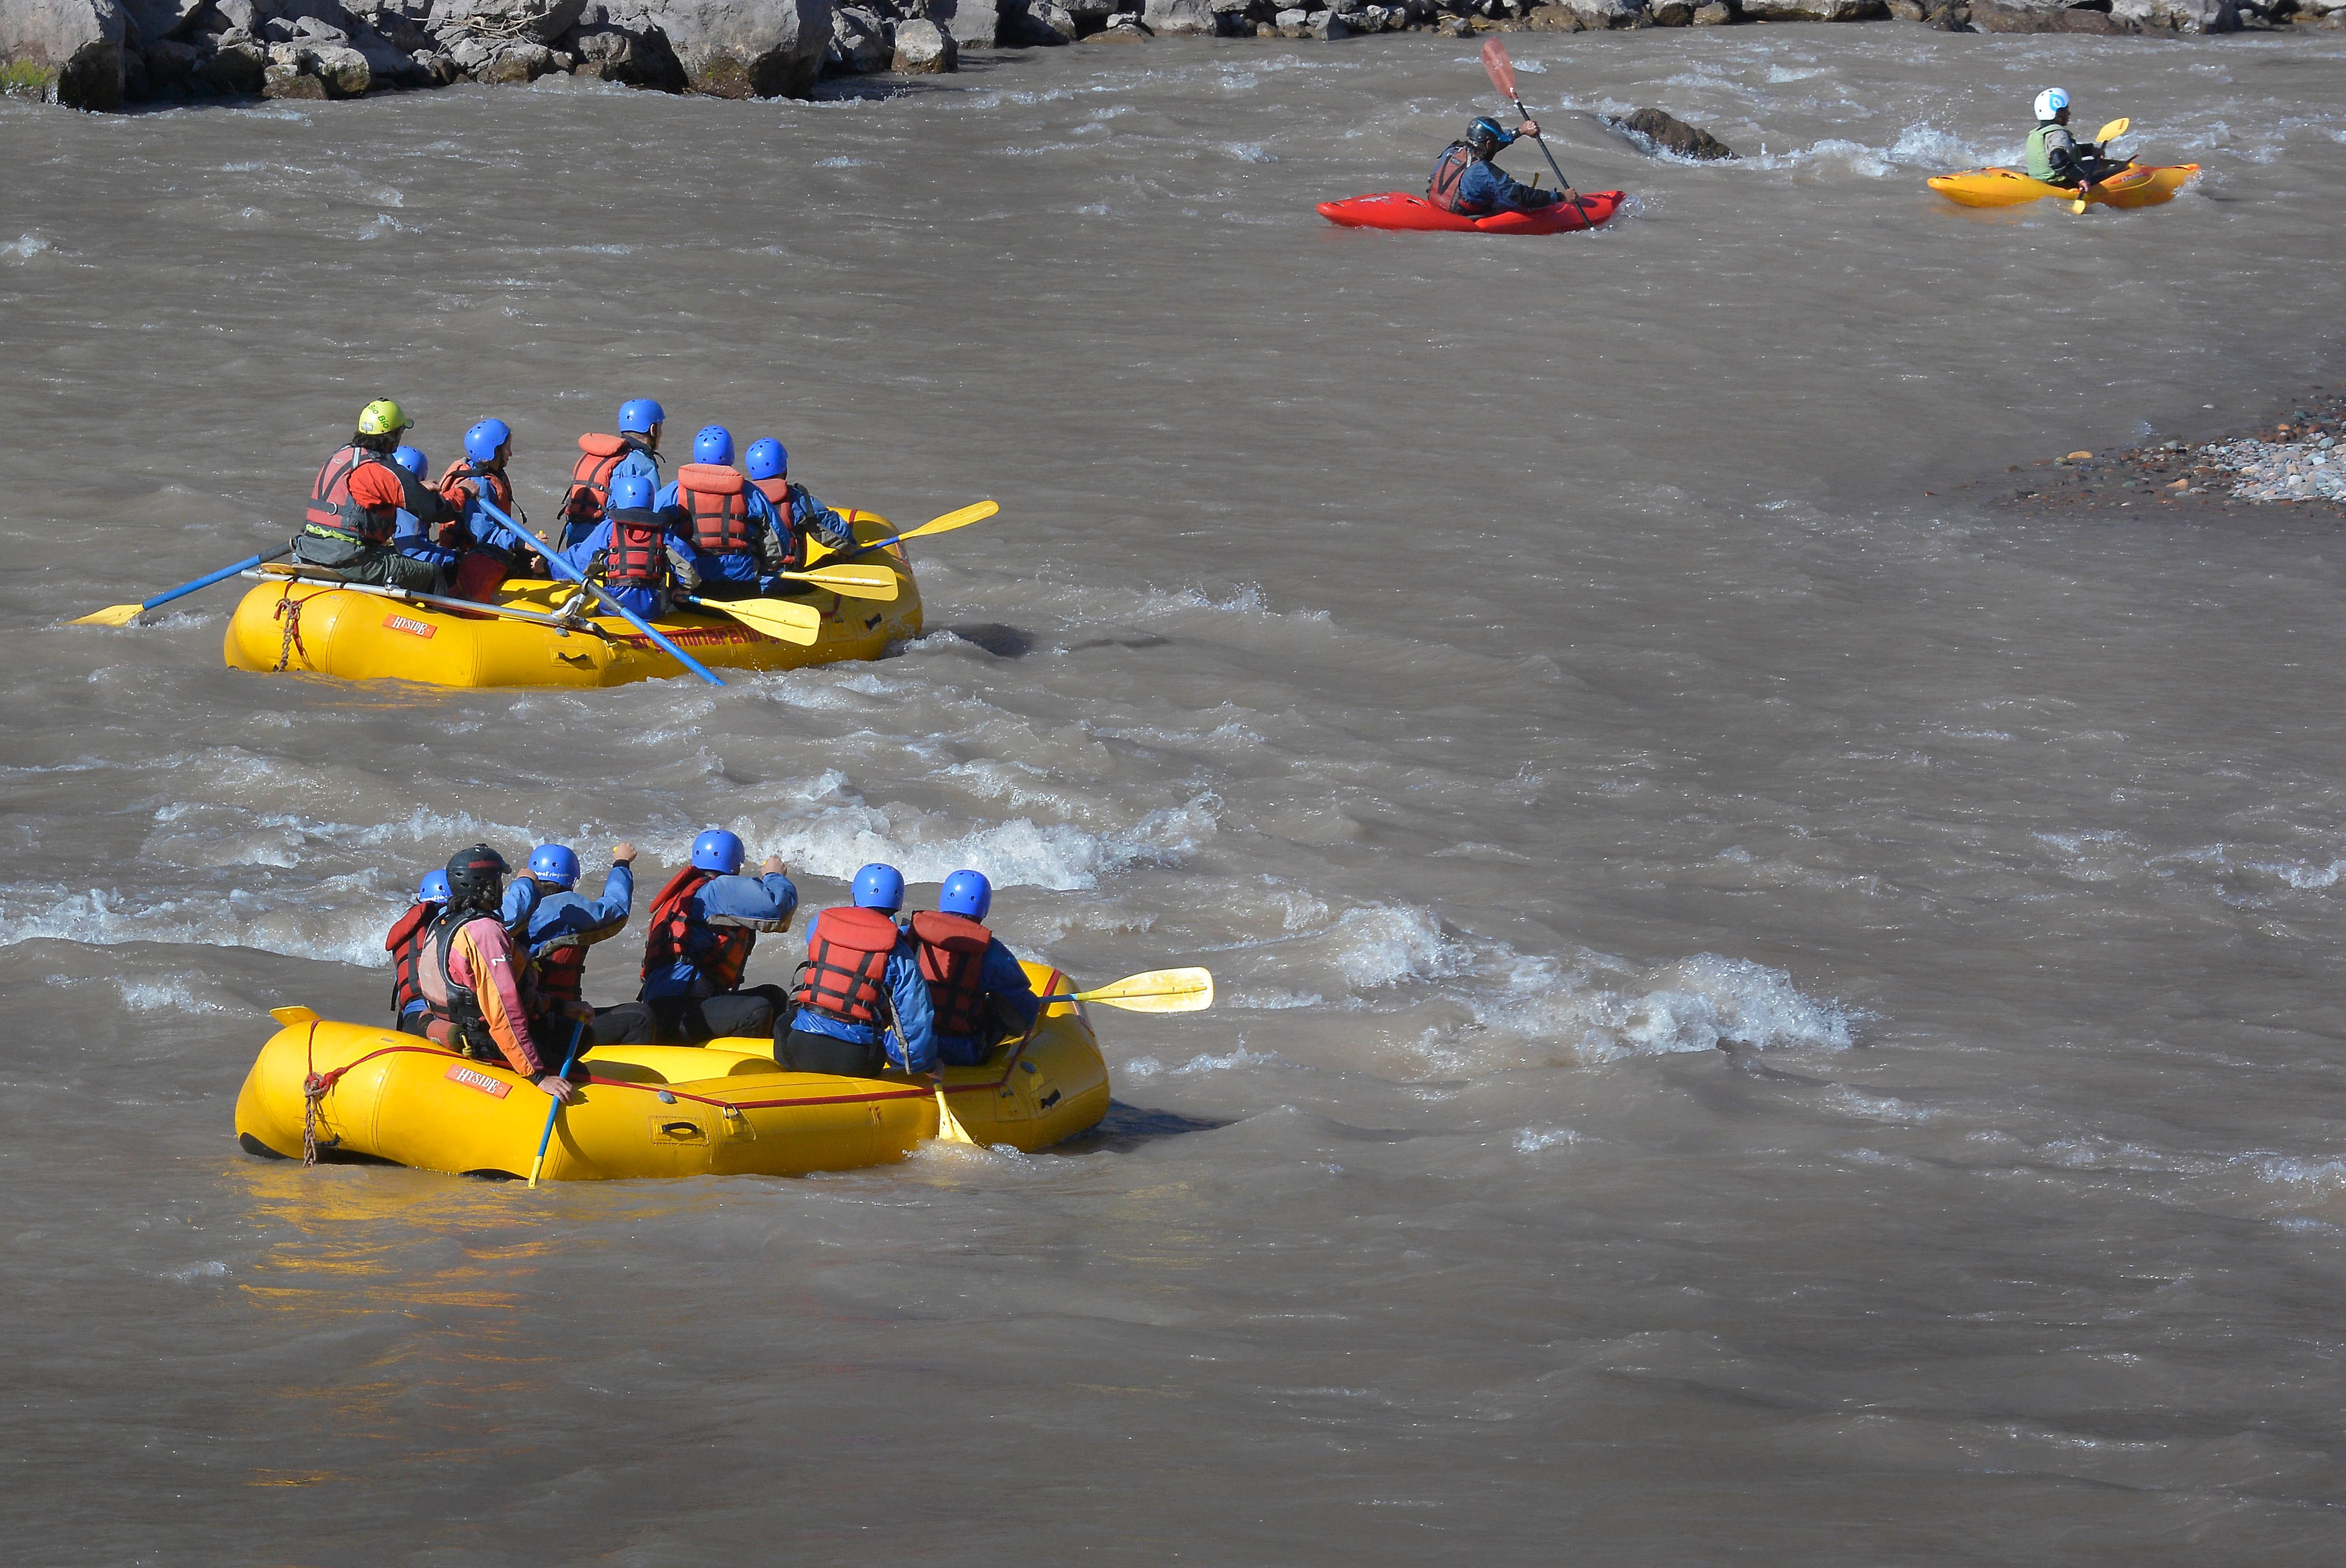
(473, 1079)
(413, 629)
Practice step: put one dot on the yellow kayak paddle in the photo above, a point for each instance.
(949, 1127)
(850, 582)
(778, 618)
(976, 511)
(1158, 990)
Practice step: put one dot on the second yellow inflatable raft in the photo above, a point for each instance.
(355, 1093)
(302, 625)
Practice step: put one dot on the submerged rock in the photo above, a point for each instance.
(1663, 132)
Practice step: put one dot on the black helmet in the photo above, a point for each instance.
(1485, 135)
(476, 879)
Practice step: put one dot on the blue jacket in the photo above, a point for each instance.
(682, 572)
(761, 904)
(808, 516)
(411, 539)
(643, 465)
(745, 567)
(1486, 188)
(1003, 976)
(553, 915)
(911, 1044)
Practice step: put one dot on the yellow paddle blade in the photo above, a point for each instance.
(949, 1127)
(851, 582)
(112, 615)
(977, 513)
(2114, 129)
(1158, 991)
(289, 1016)
(776, 617)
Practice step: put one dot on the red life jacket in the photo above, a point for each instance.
(404, 944)
(590, 478)
(717, 500)
(845, 974)
(492, 484)
(638, 554)
(560, 972)
(1448, 175)
(794, 550)
(953, 957)
(332, 509)
(673, 929)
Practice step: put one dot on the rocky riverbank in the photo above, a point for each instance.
(2298, 460)
(104, 54)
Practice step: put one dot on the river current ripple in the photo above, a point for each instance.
(1520, 669)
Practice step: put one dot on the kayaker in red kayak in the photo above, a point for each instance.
(1468, 183)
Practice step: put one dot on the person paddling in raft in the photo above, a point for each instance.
(604, 460)
(405, 942)
(635, 551)
(978, 993)
(2055, 157)
(863, 1002)
(1468, 183)
(354, 507)
(796, 511)
(474, 983)
(734, 531)
(704, 924)
(558, 925)
(491, 553)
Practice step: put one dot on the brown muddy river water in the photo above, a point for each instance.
(1518, 669)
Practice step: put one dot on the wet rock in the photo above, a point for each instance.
(1553, 18)
(1596, 15)
(620, 46)
(1039, 23)
(1906, 10)
(517, 64)
(81, 41)
(2179, 16)
(1811, 10)
(1330, 25)
(924, 48)
(2047, 16)
(286, 82)
(860, 44)
(343, 70)
(538, 21)
(1126, 29)
(970, 23)
(1716, 14)
(146, 23)
(1661, 132)
(1180, 19)
(1671, 13)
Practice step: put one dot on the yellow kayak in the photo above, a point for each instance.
(2146, 185)
(721, 1109)
(291, 625)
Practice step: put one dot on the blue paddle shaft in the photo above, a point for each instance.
(223, 575)
(546, 1137)
(575, 575)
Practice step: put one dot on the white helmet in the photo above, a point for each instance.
(2051, 102)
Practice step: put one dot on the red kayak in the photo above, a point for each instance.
(1400, 209)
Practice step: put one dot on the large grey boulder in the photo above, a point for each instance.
(970, 24)
(1180, 18)
(1811, 10)
(1660, 131)
(81, 40)
(860, 44)
(924, 48)
(1046, 24)
(150, 21)
(2182, 16)
(1598, 14)
(495, 21)
(616, 40)
(746, 48)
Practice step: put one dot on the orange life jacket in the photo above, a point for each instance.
(845, 974)
(673, 927)
(492, 484)
(404, 944)
(560, 972)
(952, 958)
(590, 478)
(717, 500)
(332, 509)
(1448, 175)
(637, 556)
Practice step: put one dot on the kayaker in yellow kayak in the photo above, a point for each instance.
(2055, 157)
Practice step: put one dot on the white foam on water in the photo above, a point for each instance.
(338, 917)
(1532, 1140)
(195, 1272)
(163, 996)
(26, 247)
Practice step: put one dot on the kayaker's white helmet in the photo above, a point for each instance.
(2051, 102)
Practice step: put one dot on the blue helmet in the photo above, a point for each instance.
(631, 490)
(966, 893)
(713, 444)
(482, 440)
(411, 459)
(879, 887)
(638, 414)
(553, 863)
(434, 890)
(767, 459)
(718, 850)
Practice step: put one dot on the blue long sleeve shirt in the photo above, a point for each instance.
(761, 903)
(411, 539)
(643, 601)
(911, 1044)
(558, 915)
(746, 567)
(1486, 188)
(1001, 975)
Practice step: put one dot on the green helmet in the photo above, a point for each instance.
(382, 417)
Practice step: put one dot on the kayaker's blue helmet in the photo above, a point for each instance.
(1487, 135)
(966, 893)
(632, 491)
(434, 890)
(718, 850)
(879, 887)
(714, 445)
(640, 415)
(554, 864)
(2050, 103)
(484, 440)
(411, 459)
(766, 459)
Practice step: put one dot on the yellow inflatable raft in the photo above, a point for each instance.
(290, 625)
(722, 1109)
(2146, 185)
